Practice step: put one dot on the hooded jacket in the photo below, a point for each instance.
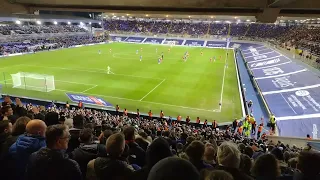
(22, 149)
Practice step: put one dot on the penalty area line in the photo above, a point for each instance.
(89, 88)
(152, 90)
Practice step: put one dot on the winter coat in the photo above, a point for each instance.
(85, 153)
(108, 168)
(22, 149)
(52, 164)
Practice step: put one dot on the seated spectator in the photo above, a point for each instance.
(87, 150)
(158, 149)
(112, 166)
(308, 165)
(51, 163)
(173, 168)
(266, 167)
(218, 175)
(31, 141)
(229, 160)
(51, 118)
(195, 152)
(78, 123)
(136, 153)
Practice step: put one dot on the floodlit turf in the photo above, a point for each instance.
(191, 88)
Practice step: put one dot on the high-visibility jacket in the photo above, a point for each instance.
(240, 129)
(125, 112)
(260, 128)
(150, 114)
(179, 118)
(273, 119)
(214, 124)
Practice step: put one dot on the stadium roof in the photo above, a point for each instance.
(262, 10)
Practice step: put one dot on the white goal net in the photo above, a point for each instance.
(31, 81)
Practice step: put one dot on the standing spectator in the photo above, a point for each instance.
(7, 114)
(218, 175)
(78, 123)
(7, 101)
(308, 165)
(159, 149)
(87, 150)
(173, 168)
(31, 141)
(250, 104)
(37, 113)
(245, 164)
(112, 166)
(136, 153)
(18, 129)
(259, 170)
(5, 133)
(195, 152)
(51, 163)
(259, 130)
(229, 160)
(214, 125)
(210, 153)
(51, 118)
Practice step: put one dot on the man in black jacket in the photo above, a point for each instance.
(87, 150)
(136, 153)
(112, 166)
(52, 163)
(78, 123)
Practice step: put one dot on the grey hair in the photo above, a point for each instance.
(228, 155)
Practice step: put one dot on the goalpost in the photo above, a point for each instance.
(32, 81)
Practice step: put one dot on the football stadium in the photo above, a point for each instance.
(146, 90)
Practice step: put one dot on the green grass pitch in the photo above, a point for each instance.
(193, 88)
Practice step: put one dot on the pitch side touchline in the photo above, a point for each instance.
(222, 86)
(152, 90)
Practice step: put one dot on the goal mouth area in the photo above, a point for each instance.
(33, 81)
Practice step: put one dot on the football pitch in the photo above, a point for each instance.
(194, 87)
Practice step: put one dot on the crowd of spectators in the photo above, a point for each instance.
(40, 44)
(38, 142)
(298, 36)
(34, 29)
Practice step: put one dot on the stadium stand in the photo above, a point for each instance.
(62, 141)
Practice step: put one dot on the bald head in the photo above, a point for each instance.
(36, 127)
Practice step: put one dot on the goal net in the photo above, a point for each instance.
(31, 81)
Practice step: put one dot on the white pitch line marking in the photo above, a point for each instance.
(89, 88)
(152, 90)
(222, 86)
(288, 103)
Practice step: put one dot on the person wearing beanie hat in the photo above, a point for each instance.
(173, 168)
(158, 149)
